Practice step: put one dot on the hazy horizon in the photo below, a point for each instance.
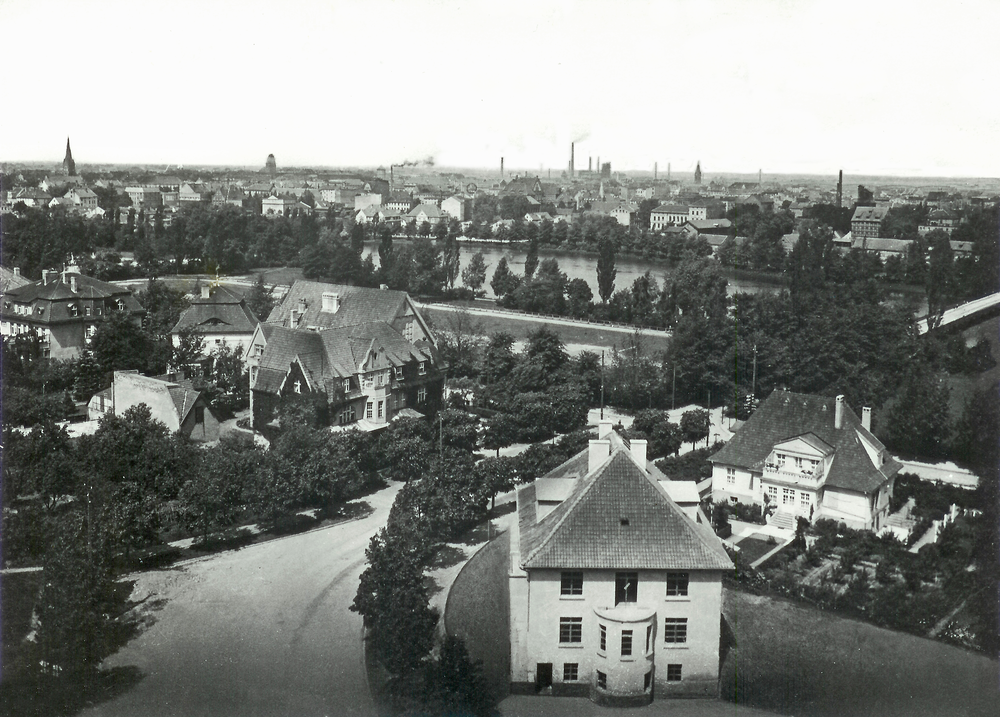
(808, 87)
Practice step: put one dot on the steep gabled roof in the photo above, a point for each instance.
(358, 305)
(588, 529)
(224, 311)
(784, 415)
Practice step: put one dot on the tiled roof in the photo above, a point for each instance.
(55, 298)
(223, 312)
(869, 214)
(328, 356)
(786, 415)
(358, 305)
(587, 531)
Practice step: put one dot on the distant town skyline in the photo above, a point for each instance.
(789, 88)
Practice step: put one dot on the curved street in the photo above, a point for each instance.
(264, 630)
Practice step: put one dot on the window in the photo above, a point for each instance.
(368, 410)
(348, 415)
(677, 584)
(74, 310)
(675, 630)
(571, 671)
(626, 643)
(604, 638)
(347, 385)
(731, 476)
(804, 500)
(772, 493)
(781, 458)
(422, 395)
(673, 673)
(571, 629)
(787, 495)
(602, 680)
(647, 680)
(649, 637)
(402, 400)
(86, 311)
(253, 374)
(121, 305)
(423, 368)
(297, 387)
(380, 405)
(626, 587)
(572, 583)
(798, 463)
(399, 373)
(199, 414)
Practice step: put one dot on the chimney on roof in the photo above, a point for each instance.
(383, 287)
(331, 302)
(45, 276)
(638, 448)
(838, 416)
(17, 271)
(866, 418)
(73, 286)
(604, 429)
(293, 319)
(302, 306)
(599, 452)
(206, 291)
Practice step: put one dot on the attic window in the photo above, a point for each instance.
(624, 521)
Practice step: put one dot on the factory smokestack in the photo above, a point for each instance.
(501, 168)
(668, 171)
(572, 158)
(656, 168)
(840, 190)
(590, 164)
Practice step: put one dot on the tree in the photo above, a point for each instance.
(429, 274)
(504, 280)
(119, 344)
(501, 431)
(393, 600)
(358, 239)
(454, 684)
(917, 422)
(260, 299)
(606, 271)
(77, 603)
(531, 259)
(695, 425)
(385, 256)
(579, 296)
(499, 359)
(230, 377)
(474, 274)
(940, 276)
(190, 347)
(451, 257)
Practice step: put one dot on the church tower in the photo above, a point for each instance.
(69, 166)
(697, 173)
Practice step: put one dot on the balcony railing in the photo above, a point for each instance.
(794, 475)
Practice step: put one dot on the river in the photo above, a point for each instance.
(579, 266)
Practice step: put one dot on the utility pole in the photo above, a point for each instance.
(753, 386)
(602, 385)
(673, 391)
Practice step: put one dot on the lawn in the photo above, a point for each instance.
(799, 660)
(753, 548)
(594, 335)
(478, 611)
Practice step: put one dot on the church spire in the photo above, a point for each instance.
(69, 166)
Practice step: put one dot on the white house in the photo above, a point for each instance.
(615, 589)
(808, 456)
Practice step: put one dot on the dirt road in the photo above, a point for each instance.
(260, 631)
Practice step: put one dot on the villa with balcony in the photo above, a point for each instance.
(807, 456)
(362, 356)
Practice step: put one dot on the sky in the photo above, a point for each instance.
(874, 87)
